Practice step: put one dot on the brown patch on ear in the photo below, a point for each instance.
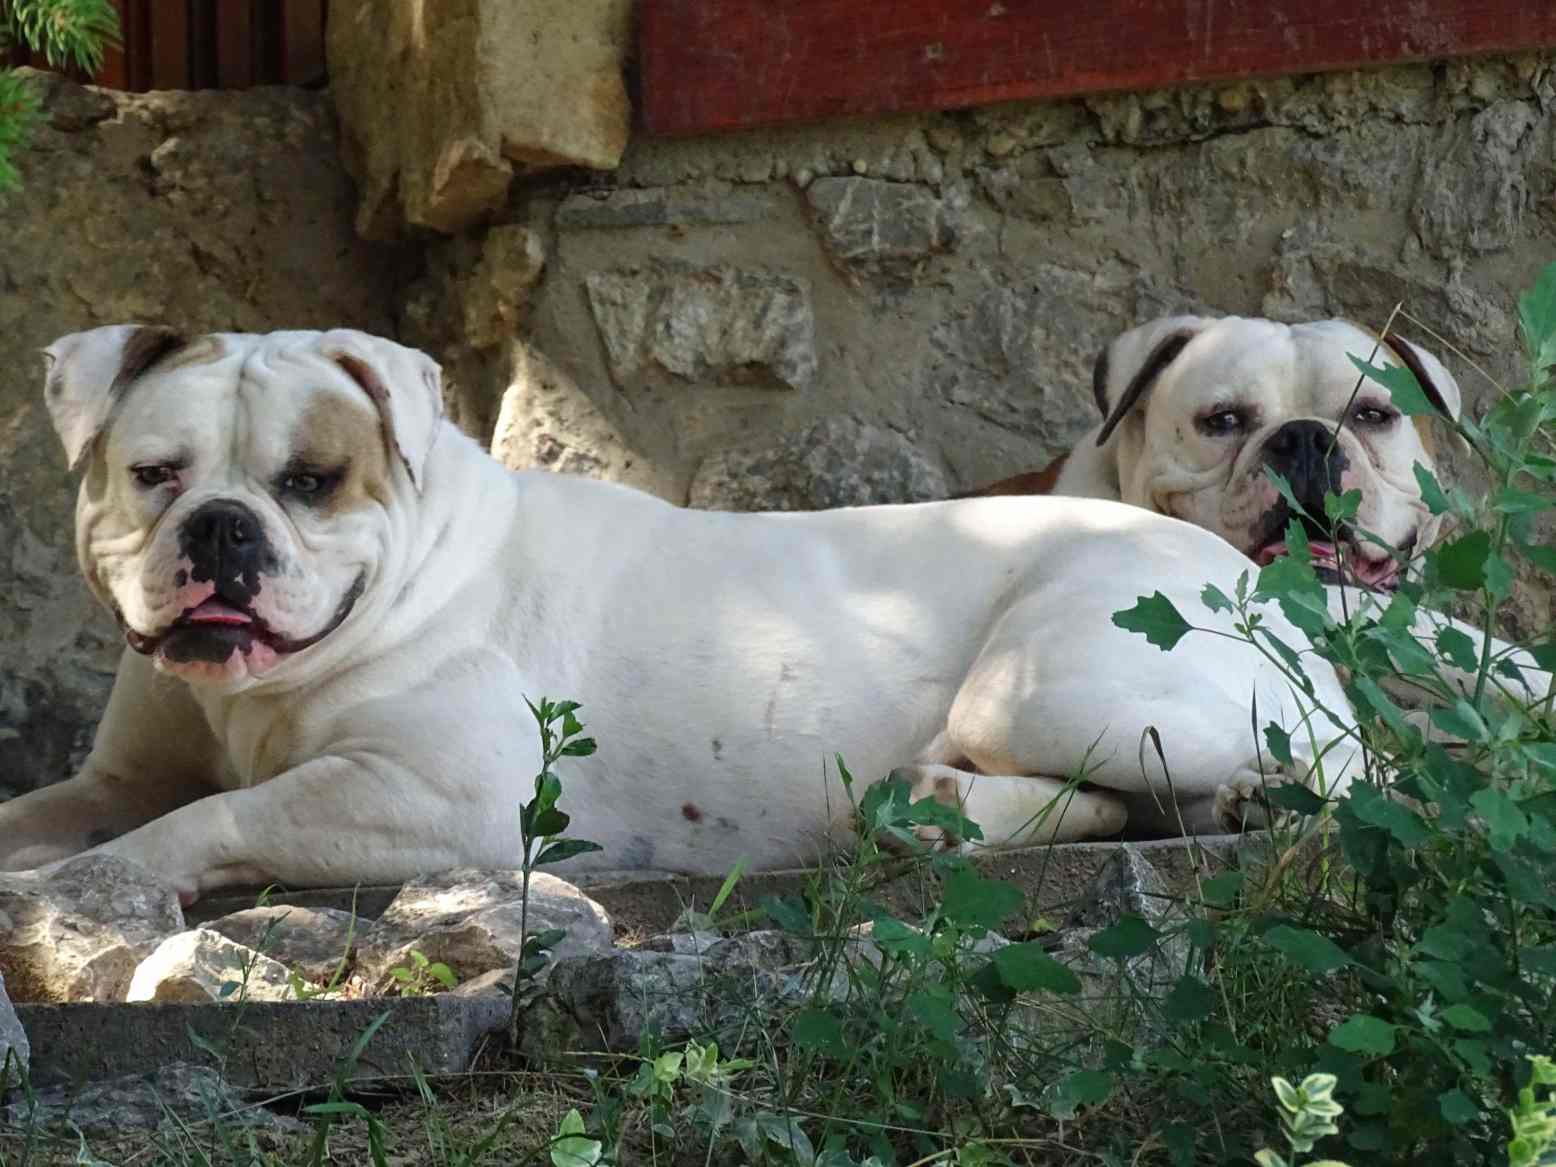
(1161, 356)
(142, 351)
(1428, 434)
(333, 433)
(1406, 354)
(364, 375)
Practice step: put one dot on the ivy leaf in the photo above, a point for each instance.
(1537, 318)
(1402, 385)
(818, 1030)
(1293, 796)
(1432, 492)
(1190, 1000)
(1505, 822)
(1457, 1107)
(1363, 1034)
(1460, 719)
(1279, 743)
(971, 899)
(1155, 617)
(1215, 599)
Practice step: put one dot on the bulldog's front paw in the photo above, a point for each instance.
(1241, 806)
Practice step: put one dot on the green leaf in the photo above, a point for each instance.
(893, 937)
(1215, 599)
(571, 1148)
(1293, 796)
(1342, 507)
(1404, 389)
(565, 849)
(1155, 617)
(1461, 563)
(1190, 999)
(1518, 502)
(1363, 1034)
(1466, 1018)
(818, 1030)
(932, 1006)
(1027, 968)
(1542, 557)
(1313, 952)
(1279, 743)
(1374, 807)
(1128, 936)
(1431, 491)
(1405, 650)
(1458, 649)
(1457, 1107)
(1537, 321)
(789, 913)
(1083, 1088)
(1461, 720)
(581, 748)
(1393, 716)
(1220, 891)
(970, 898)
(1505, 822)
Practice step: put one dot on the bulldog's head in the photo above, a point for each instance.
(238, 490)
(1197, 409)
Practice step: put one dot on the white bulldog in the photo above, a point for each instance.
(335, 605)
(1196, 408)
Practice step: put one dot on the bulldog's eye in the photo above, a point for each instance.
(308, 485)
(1222, 422)
(1373, 416)
(153, 475)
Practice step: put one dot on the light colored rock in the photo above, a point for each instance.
(204, 210)
(14, 1050)
(1126, 885)
(79, 934)
(181, 1091)
(469, 920)
(716, 325)
(496, 292)
(202, 965)
(883, 230)
(837, 462)
(546, 422)
(441, 103)
(1472, 195)
(312, 942)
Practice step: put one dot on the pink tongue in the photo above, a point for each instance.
(216, 612)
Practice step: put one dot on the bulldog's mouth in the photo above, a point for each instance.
(1343, 564)
(213, 630)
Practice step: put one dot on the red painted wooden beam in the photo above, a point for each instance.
(711, 65)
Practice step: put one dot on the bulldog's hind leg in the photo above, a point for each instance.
(1015, 810)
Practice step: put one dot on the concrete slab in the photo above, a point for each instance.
(645, 902)
(273, 1045)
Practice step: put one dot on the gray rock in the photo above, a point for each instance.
(173, 1093)
(1473, 194)
(469, 920)
(205, 210)
(79, 934)
(201, 965)
(1126, 885)
(437, 112)
(714, 205)
(14, 1050)
(837, 462)
(313, 942)
(880, 230)
(715, 325)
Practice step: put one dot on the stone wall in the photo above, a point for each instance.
(879, 310)
(894, 308)
(202, 210)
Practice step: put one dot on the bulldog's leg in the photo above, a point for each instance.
(153, 752)
(1015, 810)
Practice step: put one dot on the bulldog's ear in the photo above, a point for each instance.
(1130, 364)
(87, 373)
(1436, 381)
(405, 385)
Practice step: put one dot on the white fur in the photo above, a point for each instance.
(721, 659)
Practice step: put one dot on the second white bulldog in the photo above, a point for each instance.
(335, 605)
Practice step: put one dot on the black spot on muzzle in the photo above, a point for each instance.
(1307, 455)
(225, 544)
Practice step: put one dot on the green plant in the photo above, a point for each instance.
(1307, 1114)
(1423, 920)
(541, 823)
(417, 978)
(1533, 1118)
(67, 33)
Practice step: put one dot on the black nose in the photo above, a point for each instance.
(1306, 455)
(225, 544)
(227, 525)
